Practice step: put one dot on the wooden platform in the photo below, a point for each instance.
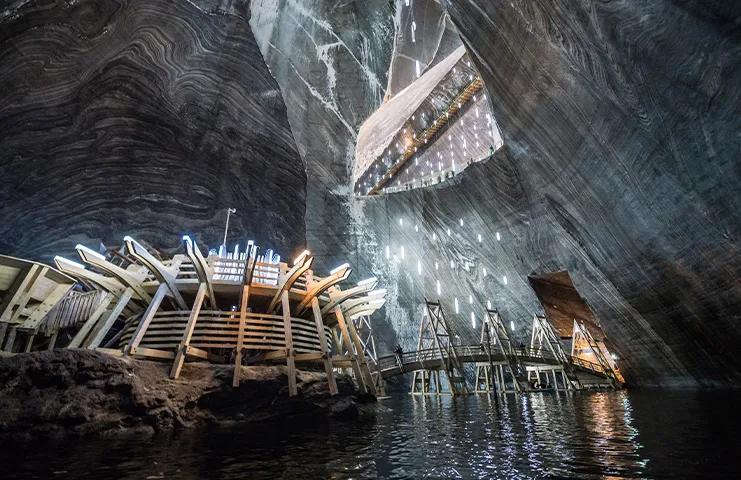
(240, 307)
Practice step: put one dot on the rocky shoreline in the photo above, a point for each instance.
(81, 393)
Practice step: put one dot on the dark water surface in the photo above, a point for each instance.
(628, 434)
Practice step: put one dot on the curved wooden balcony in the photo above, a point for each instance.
(219, 329)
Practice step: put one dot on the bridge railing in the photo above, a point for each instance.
(392, 360)
(586, 364)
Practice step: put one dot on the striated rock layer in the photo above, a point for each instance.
(147, 118)
(81, 392)
(620, 124)
(620, 165)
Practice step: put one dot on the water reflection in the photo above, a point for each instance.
(589, 435)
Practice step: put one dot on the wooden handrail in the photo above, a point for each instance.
(472, 87)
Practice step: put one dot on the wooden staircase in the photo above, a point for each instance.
(419, 143)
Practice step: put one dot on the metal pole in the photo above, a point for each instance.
(229, 211)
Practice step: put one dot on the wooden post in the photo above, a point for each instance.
(327, 355)
(90, 323)
(192, 319)
(111, 318)
(53, 340)
(353, 361)
(240, 334)
(29, 342)
(3, 329)
(26, 295)
(290, 353)
(141, 329)
(337, 342)
(362, 362)
(10, 340)
(244, 298)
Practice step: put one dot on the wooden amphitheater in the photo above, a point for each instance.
(228, 307)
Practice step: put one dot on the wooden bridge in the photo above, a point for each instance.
(590, 374)
(438, 364)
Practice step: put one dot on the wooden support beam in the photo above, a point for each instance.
(286, 281)
(244, 298)
(325, 348)
(162, 273)
(114, 352)
(53, 340)
(33, 320)
(125, 277)
(339, 347)
(191, 351)
(202, 269)
(26, 296)
(188, 333)
(90, 322)
(362, 361)
(16, 291)
(111, 318)
(151, 353)
(141, 329)
(113, 340)
(109, 284)
(310, 357)
(290, 352)
(320, 287)
(337, 296)
(348, 341)
(29, 342)
(10, 339)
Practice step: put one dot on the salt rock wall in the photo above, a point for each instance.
(146, 118)
(620, 123)
(419, 29)
(331, 60)
(620, 165)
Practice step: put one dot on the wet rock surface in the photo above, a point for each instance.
(80, 393)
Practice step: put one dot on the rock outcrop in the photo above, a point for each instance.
(82, 392)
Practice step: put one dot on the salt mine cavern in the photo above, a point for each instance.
(370, 239)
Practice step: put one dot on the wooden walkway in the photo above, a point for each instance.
(589, 373)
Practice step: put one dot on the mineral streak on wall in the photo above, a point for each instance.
(146, 118)
(331, 61)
